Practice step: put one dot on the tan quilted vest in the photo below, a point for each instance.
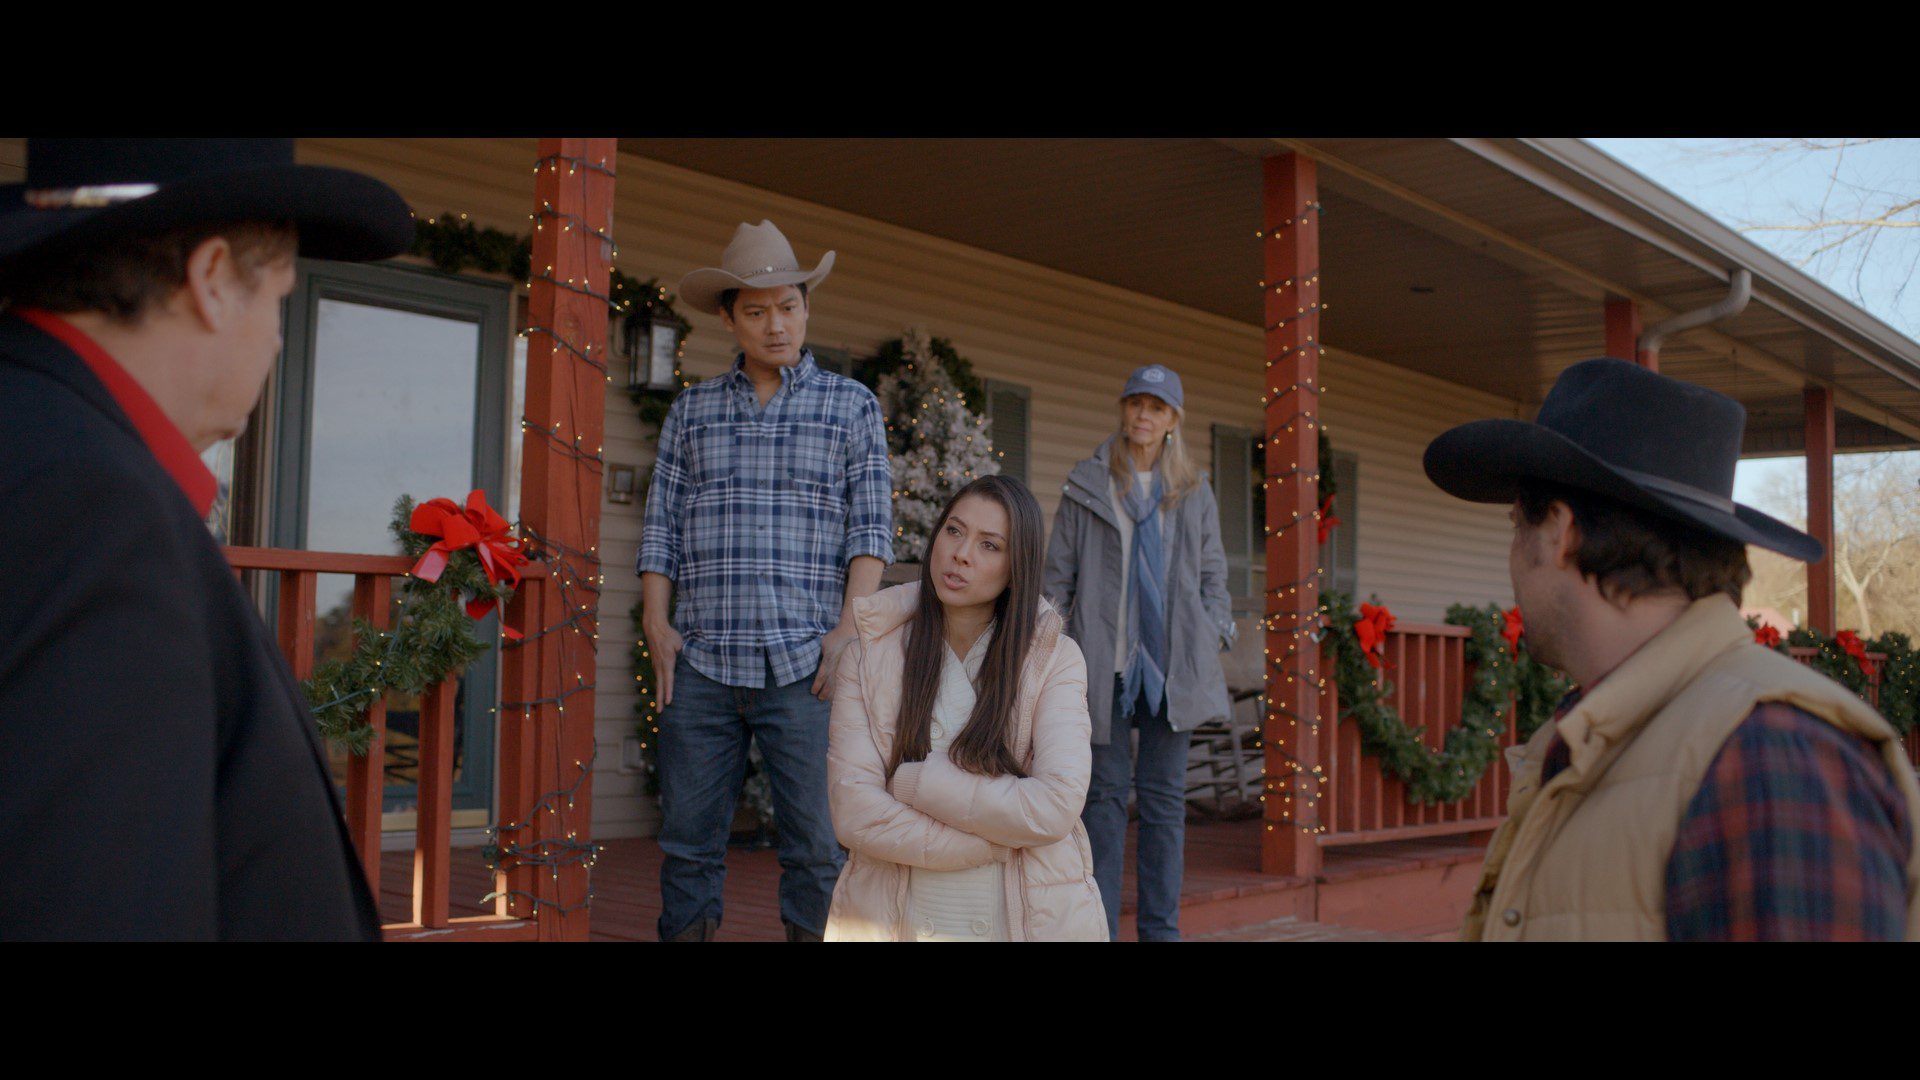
(1585, 857)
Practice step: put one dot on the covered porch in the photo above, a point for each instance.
(1436, 276)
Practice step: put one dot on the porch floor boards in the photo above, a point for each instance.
(1222, 878)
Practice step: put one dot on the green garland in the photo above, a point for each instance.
(454, 244)
(1449, 774)
(1899, 672)
(645, 702)
(432, 639)
(1899, 680)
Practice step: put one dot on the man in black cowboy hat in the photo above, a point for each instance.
(1696, 785)
(159, 772)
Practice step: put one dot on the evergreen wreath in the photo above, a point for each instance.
(1498, 679)
(431, 639)
(895, 355)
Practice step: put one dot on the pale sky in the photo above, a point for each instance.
(1726, 179)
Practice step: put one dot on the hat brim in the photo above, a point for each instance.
(340, 214)
(701, 289)
(1487, 460)
(1163, 395)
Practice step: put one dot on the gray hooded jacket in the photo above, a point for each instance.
(1083, 579)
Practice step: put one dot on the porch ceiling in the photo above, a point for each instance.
(1517, 248)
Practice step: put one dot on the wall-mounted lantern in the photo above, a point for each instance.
(649, 340)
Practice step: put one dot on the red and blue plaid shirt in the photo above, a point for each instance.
(1797, 833)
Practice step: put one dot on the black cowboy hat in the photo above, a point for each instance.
(79, 189)
(1618, 430)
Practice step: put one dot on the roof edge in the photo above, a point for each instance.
(1697, 227)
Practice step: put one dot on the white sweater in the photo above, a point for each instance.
(958, 905)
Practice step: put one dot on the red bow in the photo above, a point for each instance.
(477, 527)
(1767, 635)
(1850, 644)
(1327, 520)
(1513, 631)
(1372, 629)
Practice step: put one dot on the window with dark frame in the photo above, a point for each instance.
(1238, 479)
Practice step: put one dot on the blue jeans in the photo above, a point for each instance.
(702, 763)
(1159, 780)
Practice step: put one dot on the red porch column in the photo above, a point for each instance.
(1819, 443)
(1290, 228)
(1623, 333)
(547, 744)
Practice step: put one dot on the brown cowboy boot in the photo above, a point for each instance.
(796, 932)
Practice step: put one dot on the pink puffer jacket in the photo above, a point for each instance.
(941, 817)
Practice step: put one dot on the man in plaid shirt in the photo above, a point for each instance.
(770, 512)
(1699, 786)
(1798, 833)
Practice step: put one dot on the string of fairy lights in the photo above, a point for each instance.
(1298, 784)
(575, 574)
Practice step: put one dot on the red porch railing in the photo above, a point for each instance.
(1876, 663)
(433, 828)
(1361, 804)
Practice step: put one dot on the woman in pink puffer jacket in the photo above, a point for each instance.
(959, 755)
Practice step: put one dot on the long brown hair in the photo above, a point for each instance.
(984, 746)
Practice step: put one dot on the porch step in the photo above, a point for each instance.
(1410, 889)
(1294, 929)
(1420, 888)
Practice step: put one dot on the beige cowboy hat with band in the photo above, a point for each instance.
(758, 257)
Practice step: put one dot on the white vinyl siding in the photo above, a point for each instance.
(1069, 341)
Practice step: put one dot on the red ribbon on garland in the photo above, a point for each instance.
(1513, 630)
(1371, 628)
(1767, 635)
(478, 527)
(1327, 520)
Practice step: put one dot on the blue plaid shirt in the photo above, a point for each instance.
(755, 514)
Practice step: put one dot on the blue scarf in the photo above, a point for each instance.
(1146, 597)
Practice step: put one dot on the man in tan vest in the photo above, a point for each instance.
(1697, 785)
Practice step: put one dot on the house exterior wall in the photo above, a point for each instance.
(1070, 340)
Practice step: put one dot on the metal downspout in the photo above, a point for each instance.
(1739, 291)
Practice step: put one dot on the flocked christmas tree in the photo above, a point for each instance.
(936, 441)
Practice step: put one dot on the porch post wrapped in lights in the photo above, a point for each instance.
(1819, 446)
(1290, 242)
(547, 698)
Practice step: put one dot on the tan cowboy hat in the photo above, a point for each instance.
(758, 257)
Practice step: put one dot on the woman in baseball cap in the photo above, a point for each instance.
(1136, 561)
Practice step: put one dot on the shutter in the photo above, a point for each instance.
(1007, 406)
(1233, 483)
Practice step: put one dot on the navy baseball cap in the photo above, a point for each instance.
(1158, 380)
